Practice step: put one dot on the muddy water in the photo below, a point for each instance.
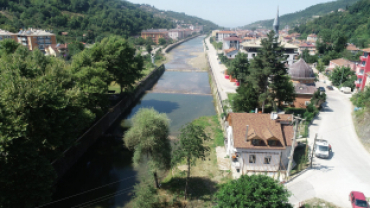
(105, 174)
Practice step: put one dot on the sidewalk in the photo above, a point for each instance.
(224, 85)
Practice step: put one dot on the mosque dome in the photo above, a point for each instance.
(300, 71)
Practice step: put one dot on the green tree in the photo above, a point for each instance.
(190, 148)
(8, 46)
(362, 98)
(149, 48)
(246, 98)
(318, 98)
(268, 74)
(343, 76)
(162, 41)
(145, 195)
(148, 137)
(75, 48)
(320, 66)
(252, 191)
(239, 67)
(42, 112)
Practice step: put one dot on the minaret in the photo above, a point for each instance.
(276, 24)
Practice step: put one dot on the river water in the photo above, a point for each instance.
(104, 176)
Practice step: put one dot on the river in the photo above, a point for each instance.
(104, 176)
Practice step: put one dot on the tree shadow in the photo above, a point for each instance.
(199, 187)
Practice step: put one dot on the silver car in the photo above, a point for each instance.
(322, 148)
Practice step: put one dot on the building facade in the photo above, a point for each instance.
(259, 143)
(176, 34)
(7, 35)
(220, 35)
(362, 69)
(36, 39)
(155, 34)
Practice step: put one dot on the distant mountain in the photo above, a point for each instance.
(300, 17)
(88, 20)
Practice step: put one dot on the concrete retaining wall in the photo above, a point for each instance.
(73, 154)
(174, 45)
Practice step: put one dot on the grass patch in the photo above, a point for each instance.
(318, 203)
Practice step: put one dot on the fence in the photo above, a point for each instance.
(72, 154)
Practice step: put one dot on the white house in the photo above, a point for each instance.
(231, 42)
(259, 143)
(176, 34)
(220, 35)
(231, 53)
(252, 48)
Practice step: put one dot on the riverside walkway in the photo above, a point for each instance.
(224, 86)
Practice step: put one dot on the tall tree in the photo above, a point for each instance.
(239, 68)
(148, 137)
(252, 191)
(343, 76)
(190, 148)
(42, 112)
(246, 98)
(268, 74)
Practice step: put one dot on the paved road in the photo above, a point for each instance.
(349, 167)
(224, 86)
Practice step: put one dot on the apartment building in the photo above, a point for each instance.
(362, 69)
(7, 35)
(155, 34)
(36, 39)
(176, 34)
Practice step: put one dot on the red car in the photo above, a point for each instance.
(358, 200)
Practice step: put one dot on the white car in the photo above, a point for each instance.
(345, 89)
(322, 148)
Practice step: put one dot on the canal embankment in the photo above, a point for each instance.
(72, 154)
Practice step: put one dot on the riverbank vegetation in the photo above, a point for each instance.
(46, 104)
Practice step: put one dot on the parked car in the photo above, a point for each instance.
(358, 200)
(322, 148)
(345, 89)
(322, 89)
(329, 87)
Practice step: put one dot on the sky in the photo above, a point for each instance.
(231, 13)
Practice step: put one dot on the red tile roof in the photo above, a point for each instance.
(341, 62)
(367, 50)
(261, 126)
(230, 50)
(233, 38)
(352, 47)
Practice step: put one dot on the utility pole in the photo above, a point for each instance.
(313, 148)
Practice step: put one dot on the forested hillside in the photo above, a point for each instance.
(94, 18)
(354, 25)
(303, 16)
(181, 17)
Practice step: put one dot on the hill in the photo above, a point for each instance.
(84, 20)
(353, 25)
(303, 16)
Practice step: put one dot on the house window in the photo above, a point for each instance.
(267, 160)
(255, 141)
(252, 158)
(272, 142)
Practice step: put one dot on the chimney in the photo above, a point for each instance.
(246, 133)
(273, 116)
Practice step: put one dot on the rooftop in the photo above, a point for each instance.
(263, 127)
(352, 47)
(4, 32)
(227, 32)
(301, 70)
(367, 50)
(341, 62)
(155, 30)
(33, 32)
(230, 50)
(303, 89)
(233, 38)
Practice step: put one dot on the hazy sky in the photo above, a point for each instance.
(231, 13)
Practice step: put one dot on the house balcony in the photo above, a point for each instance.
(360, 75)
(361, 66)
(363, 58)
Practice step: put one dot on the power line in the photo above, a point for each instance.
(88, 203)
(83, 192)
